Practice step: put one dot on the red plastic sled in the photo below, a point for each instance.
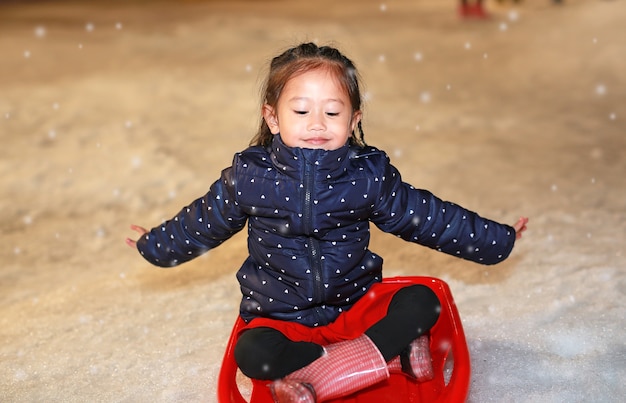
(449, 351)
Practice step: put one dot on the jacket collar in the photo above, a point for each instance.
(290, 160)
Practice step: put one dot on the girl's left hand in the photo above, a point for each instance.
(520, 226)
(141, 230)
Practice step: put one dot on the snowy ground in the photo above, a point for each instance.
(117, 112)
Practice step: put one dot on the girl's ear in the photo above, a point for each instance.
(270, 118)
(356, 118)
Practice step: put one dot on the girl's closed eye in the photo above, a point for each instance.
(299, 112)
(332, 114)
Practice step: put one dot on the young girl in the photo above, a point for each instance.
(320, 323)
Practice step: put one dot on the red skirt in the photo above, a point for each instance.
(349, 325)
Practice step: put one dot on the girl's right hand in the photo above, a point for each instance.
(141, 230)
(520, 226)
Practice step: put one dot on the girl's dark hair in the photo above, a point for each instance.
(301, 59)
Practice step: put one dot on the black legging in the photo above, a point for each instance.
(265, 353)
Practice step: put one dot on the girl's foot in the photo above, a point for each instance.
(415, 361)
(285, 391)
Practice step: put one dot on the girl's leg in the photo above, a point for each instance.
(265, 353)
(352, 365)
(344, 368)
(411, 313)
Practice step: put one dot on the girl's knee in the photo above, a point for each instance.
(418, 298)
(266, 353)
(416, 294)
(251, 352)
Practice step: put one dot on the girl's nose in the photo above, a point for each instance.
(316, 121)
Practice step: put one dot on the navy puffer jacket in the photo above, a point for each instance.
(308, 214)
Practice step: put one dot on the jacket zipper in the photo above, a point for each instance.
(313, 244)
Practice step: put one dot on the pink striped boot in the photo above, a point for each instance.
(415, 361)
(344, 368)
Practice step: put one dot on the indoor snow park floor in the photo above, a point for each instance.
(120, 112)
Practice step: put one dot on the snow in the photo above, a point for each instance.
(123, 112)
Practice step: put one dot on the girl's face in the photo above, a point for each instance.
(313, 111)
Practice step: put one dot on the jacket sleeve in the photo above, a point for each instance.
(419, 216)
(197, 228)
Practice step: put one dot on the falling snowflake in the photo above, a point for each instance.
(425, 97)
(600, 89)
(136, 162)
(20, 375)
(596, 153)
(513, 15)
(40, 31)
(89, 27)
(383, 7)
(118, 25)
(418, 57)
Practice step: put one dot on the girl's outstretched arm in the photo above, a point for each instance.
(141, 230)
(520, 226)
